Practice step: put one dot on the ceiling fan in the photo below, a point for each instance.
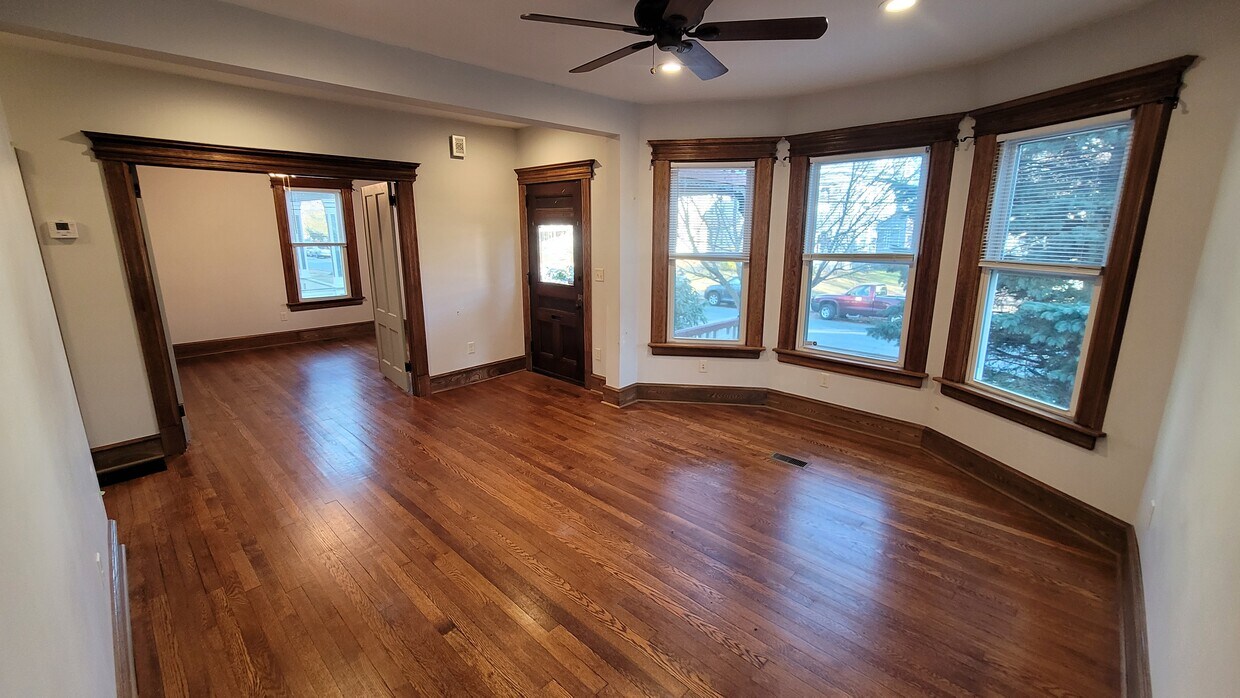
(675, 26)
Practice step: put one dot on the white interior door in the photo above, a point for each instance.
(386, 292)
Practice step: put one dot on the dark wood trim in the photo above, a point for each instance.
(718, 351)
(120, 182)
(189, 350)
(595, 383)
(130, 459)
(942, 131)
(764, 177)
(892, 135)
(1050, 424)
(476, 374)
(292, 290)
(587, 281)
(523, 227)
(320, 305)
(581, 171)
(714, 149)
(660, 259)
(562, 172)
(304, 182)
(892, 374)
(159, 152)
(1159, 82)
(122, 632)
(845, 417)
(709, 394)
(619, 397)
(1091, 522)
(1149, 135)
(1151, 91)
(968, 273)
(1136, 661)
(411, 274)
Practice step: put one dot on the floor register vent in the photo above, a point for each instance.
(790, 460)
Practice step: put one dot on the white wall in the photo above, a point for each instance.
(465, 208)
(54, 609)
(216, 250)
(1110, 477)
(1189, 548)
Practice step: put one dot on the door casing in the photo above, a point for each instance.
(579, 171)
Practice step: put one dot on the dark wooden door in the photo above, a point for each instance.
(556, 279)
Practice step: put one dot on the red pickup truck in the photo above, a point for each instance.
(866, 300)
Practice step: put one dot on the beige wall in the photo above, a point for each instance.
(217, 253)
(1112, 476)
(1189, 547)
(55, 622)
(465, 208)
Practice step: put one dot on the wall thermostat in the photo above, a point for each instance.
(62, 230)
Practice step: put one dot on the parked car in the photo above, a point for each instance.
(866, 300)
(718, 295)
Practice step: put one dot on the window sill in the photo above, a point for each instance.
(895, 375)
(718, 351)
(328, 303)
(1050, 424)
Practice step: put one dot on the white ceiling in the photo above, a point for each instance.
(862, 44)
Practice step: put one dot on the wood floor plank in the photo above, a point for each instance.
(326, 534)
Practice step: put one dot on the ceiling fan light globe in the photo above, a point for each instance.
(894, 6)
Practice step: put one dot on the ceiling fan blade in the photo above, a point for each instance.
(552, 19)
(702, 62)
(763, 29)
(612, 57)
(691, 10)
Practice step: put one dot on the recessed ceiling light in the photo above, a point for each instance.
(897, 5)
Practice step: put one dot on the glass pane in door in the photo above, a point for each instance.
(555, 254)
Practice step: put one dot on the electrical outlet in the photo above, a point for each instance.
(823, 380)
(469, 347)
(598, 274)
(702, 366)
(598, 355)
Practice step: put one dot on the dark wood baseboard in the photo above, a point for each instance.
(475, 374)
(1093, 524)
(122, 633)
(1137, 683)
(595, 383)
(207, 347)
(128, 459)
(846, 417)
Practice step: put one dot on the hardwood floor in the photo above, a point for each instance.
(327, 535)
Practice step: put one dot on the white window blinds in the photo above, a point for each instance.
(711, 211)
(1055, 197)
(868, 205)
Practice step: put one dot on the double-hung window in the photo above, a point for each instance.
(318, 243)
(708, 250)
(712, 217)
(861, 240)
(1048, 231)
(1059, 198)
(866, 211)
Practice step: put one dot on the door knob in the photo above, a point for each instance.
(580, 301)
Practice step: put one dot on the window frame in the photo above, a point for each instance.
(937, 135)
(761, 152)
(280, 186)
(1151, 93)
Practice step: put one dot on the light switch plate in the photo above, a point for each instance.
(598, 274)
